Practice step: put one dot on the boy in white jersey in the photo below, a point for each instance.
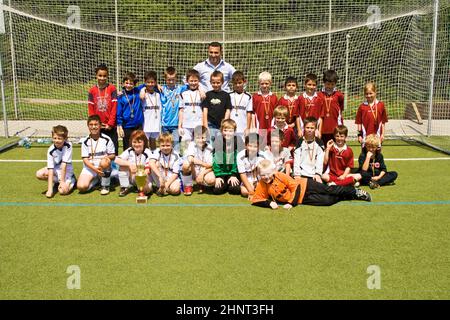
(198, 162)
(59, 170)
(138, 155)
(309, 154)
(191, 112)
(278, 154)
(247, 163)
(151, 103)
(165, 166)
(242, 106)
(97, 151)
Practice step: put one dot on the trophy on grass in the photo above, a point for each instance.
(141, 180)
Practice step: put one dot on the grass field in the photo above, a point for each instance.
(210, 247)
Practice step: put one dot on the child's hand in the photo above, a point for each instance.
(120, 132)
(317, 178)
(246, 132)
(381, 138)
(330, 144)
(233, 181)
(202, 94)
(273, 205)
(287, 206)
(300, 134)
(159, 87)
(318, 134)
(181, 132)
(219, 182)
(376, 178)
(369, 154)
(63, 187)
(360, 139)
(133, 168)
(142, 93)
(342, 177)
(49, 194)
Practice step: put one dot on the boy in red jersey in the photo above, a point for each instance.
(280, 115)
(339, 159)
(371, 115)
(333, 105)
(311, 104)
(264, 102)
(102, 101)
(290, 101)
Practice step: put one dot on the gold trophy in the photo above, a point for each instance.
(141, 180)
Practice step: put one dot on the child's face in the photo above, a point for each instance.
(128, 85)
(102, 77)
(340, 138)
(94, 127)
(171, 80)
(238, 86)
(275, 142)
(216, 83)
(310, 87)
(280, 121)
(138, 145)
(165, 147)
(310, 129)
(150, 85)
(193, 83)
(200, 140)
(264, 85)
(371, 148)
(252, 148)
(291, 88)
(329, 86)
(267, 177)
(370, 95)
(228, 133)
(58, 140)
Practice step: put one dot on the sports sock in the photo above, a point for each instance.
(124, 179)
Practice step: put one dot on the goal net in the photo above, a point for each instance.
(50, 49)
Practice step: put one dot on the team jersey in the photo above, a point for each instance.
(293, 106)
(95, 150)
(333, 106)
(283, 189)
(308, 158)
(310, 106)
(170, 100)
(249, 166)
(263, 107)
(289, 140)
(204, 155)
(241, 104)
(129, 109)
(371, 117)
(281, 159)
(192, 110)
(152, 112)
(376, 165)
(169, 163)
(55, 157)
(138, 160)
(103, 102)
(340, 159)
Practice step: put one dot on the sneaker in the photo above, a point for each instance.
(124, 191)
(188, 190)
(104, 191)
(363, 195)
(373, 185)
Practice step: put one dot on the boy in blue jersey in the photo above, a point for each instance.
(130, 114)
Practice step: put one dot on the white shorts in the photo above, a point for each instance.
(188, 134)
(154, 179)
(69, 179)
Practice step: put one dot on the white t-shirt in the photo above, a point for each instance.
(152, 112)
(205, 155)
(192, 110)
(249, 166)
(55, 157)
(96, 150)
(280, 161)
(130, 155)
(169, 164)
(308, 158)
(241, 103)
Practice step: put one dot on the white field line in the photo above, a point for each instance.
(356, 159)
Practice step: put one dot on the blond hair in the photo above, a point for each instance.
(370, 86)
(228, 124)
(265, 76)
(165, 138)
(372, 140)
(281, 111)
(266, 165)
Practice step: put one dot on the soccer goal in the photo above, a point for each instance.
(50, 49)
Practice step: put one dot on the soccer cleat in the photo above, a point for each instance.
(124, 191)
(104, 191)
(363, 195)
(187, 190)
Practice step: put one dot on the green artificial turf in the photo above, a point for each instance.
(220, 247)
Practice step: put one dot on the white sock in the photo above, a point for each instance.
(106, 181)
(124, 179)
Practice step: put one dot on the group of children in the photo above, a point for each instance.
(290, 150)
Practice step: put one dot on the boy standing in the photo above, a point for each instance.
(130, 115)
(339, 159)
(333, 105)
(216, 106)
(97, 151)
(59, 171)
(371, 164)
(311, 103)
(291, 102)
(308, 156)
(242, 105)
(264, 102)
(151, 102)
